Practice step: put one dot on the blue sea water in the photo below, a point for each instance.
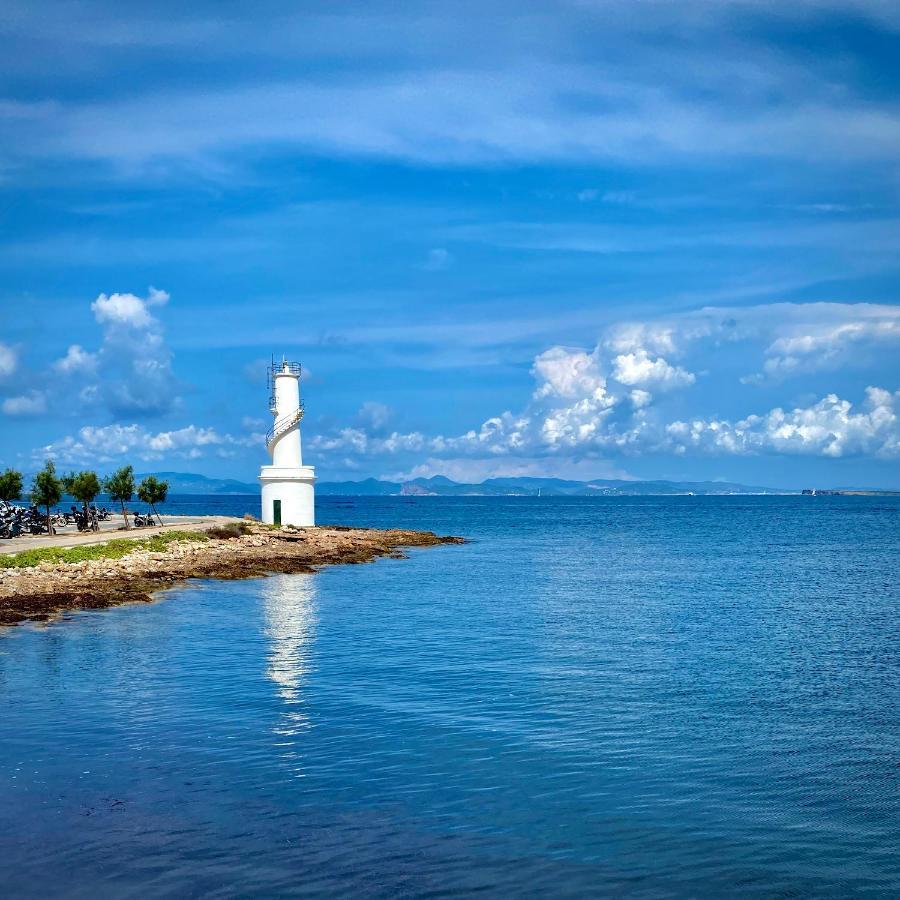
(643, 697)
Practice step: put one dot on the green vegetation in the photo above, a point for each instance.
(83, 486)
(47, 490)
(114, 549)
(151, 492)
(10, 485)
(229, 530)
(120, 487)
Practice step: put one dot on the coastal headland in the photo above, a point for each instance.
(39, 582)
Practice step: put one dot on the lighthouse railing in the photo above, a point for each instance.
(283, 425)
(275, 369)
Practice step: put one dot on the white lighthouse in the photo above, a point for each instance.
(288, 492)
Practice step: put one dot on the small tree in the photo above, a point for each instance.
(151, 492)
(120, 486)
(83, 486)
(10, 485)
(47, 490)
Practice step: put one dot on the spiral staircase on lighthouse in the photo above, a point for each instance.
(288, 491)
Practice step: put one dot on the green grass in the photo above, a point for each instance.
(114, 549)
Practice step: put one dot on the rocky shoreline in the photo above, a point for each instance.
(39, 592)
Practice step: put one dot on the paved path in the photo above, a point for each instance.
(70, 537)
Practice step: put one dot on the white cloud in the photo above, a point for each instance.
(640, 399)
(568, 373)
(130, 374)
(134, 362)
(638, 368)
(829, 427)
(577, 408)
(93, 445)
(157, 297)
(832, 338)
(794, 338)
(668, 336)
(612, 399)
(76, 360)
(34, 403)
(352, 439)
(122, 309)
(9, 360)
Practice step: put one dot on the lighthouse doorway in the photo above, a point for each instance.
(276, 512)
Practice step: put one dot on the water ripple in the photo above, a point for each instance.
(653, 697)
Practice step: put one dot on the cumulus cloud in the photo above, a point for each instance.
(830, 427)
(600, 401)
(668, 336)
(568, 373)
(613, 399)
(130, 374)
(122, 309)
(76, 360)
(639, 368)
(93, 445)
(34, 403)
(134, 363)
(640, 399)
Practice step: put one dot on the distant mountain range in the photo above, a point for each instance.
(440, 486)
(532, 487)
(187, 483)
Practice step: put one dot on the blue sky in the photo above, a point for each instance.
(587, 239)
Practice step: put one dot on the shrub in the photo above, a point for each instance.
(229, 530)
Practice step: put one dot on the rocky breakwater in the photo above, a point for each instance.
(38, 592)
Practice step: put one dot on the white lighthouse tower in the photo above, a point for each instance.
(288, 492)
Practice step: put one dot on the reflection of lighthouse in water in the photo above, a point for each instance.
(288, 494)
(290, 614)
(289, 610)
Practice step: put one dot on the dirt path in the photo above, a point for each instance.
(71, 537)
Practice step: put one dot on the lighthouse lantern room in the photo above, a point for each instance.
(288, 492)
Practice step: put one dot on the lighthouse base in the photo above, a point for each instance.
(288, 495)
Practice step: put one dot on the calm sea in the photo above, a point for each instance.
(647, 697)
